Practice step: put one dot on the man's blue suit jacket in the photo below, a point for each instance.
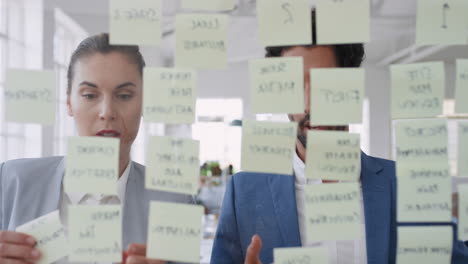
(265, 204)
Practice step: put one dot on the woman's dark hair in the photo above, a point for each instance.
(347, 55)
(100, 44)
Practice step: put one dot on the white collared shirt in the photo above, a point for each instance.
(90, 199)
(340, 252)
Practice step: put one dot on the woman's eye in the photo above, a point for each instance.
(124, 96)
(89, 96)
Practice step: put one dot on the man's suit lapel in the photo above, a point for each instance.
(284, 201)
(376, 191)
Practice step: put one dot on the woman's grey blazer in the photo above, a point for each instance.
(30, 188)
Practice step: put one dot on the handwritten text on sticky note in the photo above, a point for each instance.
(421, 244)
(201, 41)
(417, 90)
(318, 255)
(333, 211)
(284, 22)
(268, 146)
(30, 96)
(421, 141)
(136, 22)
(333, 21)
(441, 22)
(95, 233)
(424, 182)
(333, 155)
(424, 192)
(461, 92)
(277, 85)
(336, 96)
(50, 237)
(173, 227)
(173, 165)
(170, 95)
(92, 165)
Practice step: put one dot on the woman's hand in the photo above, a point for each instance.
(17, 248)
(136, 254)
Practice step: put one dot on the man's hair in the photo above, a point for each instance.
(347, 55)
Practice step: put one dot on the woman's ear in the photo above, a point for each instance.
(69, 107)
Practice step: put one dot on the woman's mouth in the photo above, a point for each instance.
(108, 133)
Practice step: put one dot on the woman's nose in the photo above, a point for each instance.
(107, 110)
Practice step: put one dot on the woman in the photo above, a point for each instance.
(104, 96)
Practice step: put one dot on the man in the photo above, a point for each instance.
(266, 211)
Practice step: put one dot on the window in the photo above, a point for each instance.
(68, 34)
(18, 140)
(3, 41)
(219, 136)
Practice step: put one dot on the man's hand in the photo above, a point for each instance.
(253, 251)
(17, 248)
(137, 255)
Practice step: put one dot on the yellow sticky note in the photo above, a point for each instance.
(173, 165)
(95, 233)
(423, 141)
(201, 41)
(424, 181)
(333, 211)
(92, 165)
(336, 96)
(441, 22)
(277, 85)
(318, 255)
(343, 21)
(50, 237)
(462, 156)
(284, 22)
(136, 22)
(463, 212)
(268, 147)
(424, 244)
(30, 96)
(209, 5)
(174, 232)
(417, 90)
(170, 95)
(333, 155)
(461, 92)
(424, 192)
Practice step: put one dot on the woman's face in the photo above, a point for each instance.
(106, 97)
